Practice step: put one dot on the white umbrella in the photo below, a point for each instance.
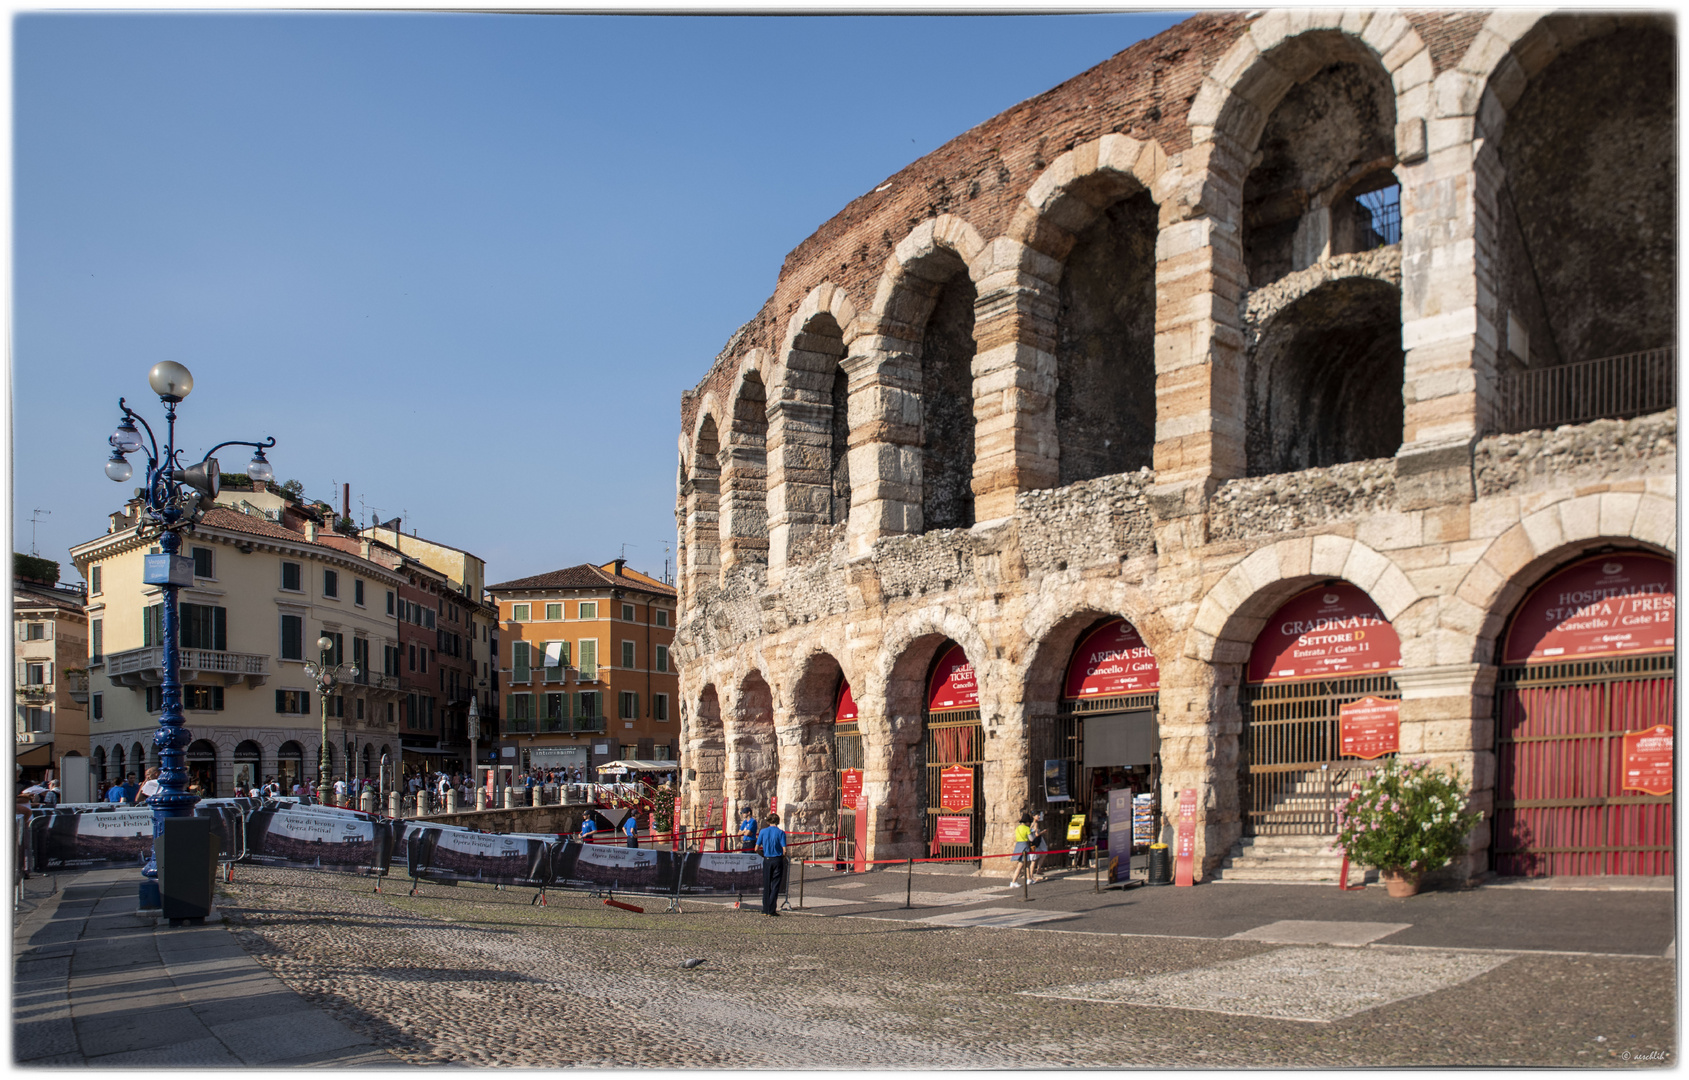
(34, 789)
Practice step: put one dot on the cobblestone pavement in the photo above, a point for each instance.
(477, 976)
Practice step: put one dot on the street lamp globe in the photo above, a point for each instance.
(325, 643)
(170, 380)
(126, 440)
(259, 468)
(118, 469)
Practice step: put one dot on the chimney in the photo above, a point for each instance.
(310, 531)
(364, 547)
(346, 501)
(259, 487)
(619, 564)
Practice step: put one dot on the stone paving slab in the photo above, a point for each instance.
(1321, 932)
(1296, 983)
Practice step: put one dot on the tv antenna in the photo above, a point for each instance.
(35, 517)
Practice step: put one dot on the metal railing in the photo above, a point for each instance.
(1612, 387)
(225, 663)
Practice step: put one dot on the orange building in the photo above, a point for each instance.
(585, 666)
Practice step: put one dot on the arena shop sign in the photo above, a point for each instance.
(1112, 661)
(1329, 631)
(953, 687)
(1605, 606)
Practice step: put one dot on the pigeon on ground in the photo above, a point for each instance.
(691, 964)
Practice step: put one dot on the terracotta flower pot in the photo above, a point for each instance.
(1400, 883)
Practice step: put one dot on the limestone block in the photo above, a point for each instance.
(1364, 566)
(1656, 522)
(1437, 580)
(1388, 531)
(1393, 591)
(1415, 71)
(1354, 20)
(1484, 580)
(1580, 518)
(1330, 554)
(1543, 530)
(1385, 31)
(1618, 511)
(1485, 52)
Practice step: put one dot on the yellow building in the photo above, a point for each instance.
(51, 653)
(269, 580)
(586, 668)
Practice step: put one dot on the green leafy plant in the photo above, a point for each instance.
(662, 809)
(1405, 817)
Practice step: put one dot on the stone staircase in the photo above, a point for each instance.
(1305, 858)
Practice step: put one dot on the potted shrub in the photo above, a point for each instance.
(1406, 819)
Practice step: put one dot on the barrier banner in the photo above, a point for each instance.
(436, 854)
(228, 827)
(723, 872)
(608, 867)
(64, 841)
(316, 841)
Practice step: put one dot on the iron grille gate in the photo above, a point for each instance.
(1061, 737)
(847, 754)
(949, 740)
(1293, 768)
(1561, 807)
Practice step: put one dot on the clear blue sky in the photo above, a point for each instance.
(466, 263)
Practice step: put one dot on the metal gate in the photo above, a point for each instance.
(1061, 737)
(1561, 807)
(847, 754)
(1291, 767)
(949, 740)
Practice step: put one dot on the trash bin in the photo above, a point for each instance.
(1160, 865)
(187, 869)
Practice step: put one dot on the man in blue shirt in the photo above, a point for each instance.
(630, 829)
(772, 842)
(748, 831)
(115, 795)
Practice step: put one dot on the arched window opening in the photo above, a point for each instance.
(947, 407)
(1105, 355)
(841, 445)
(744, 475)
(1324, 380)
(248, 760)
(704, 503)
(1325, 133)
(1369, 216)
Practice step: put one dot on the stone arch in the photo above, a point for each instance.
(808, 424)
(702, 496)
(753, 770)
(97, 764)
(804, 730)
(1092, 216)
(706, 756)
(742, 456)
(1324, 378)
(1540, 543)
(1053, 628)
(918, 267)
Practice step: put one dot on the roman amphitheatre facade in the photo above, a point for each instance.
(1134, 438)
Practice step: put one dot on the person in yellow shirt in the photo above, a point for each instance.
(1023, 848)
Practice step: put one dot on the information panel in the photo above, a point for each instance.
(1647, 760)
(1371, 728)
(1331, 630)
(1184, 852)
(956, 788)
(1112, 661)
(952, 830)
(1605, 606)
(850, 788)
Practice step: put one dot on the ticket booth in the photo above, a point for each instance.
(1102, 742)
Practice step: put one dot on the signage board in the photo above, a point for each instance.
(1112, 661)
(1119, 834)
(1332, 630)
(952, 830)
(953, 686)
(774, 803)
(1370, 727)
(860, 863)
(1184, 850)
(850, 788)
(1055, 781)
(167, 570)
(1609, 605)
(1647, 760)
(845, 712)
(956, 788)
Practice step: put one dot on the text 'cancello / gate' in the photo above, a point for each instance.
(1321, 650)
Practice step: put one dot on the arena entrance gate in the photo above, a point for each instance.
(953, 751)
(847, 760)
(1104, 734)
(1323, 649)
(1587, 659)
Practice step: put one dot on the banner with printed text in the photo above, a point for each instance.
(73, 841)
(953, 687)
(434, 854)
(1329, 631)
(1606, 606)
(1111, 661)
(318, 841)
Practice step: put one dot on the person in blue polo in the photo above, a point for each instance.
(630, 829)
(748, 831)
(772, 842)
(588, 827)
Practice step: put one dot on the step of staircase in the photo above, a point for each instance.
(1303, 858)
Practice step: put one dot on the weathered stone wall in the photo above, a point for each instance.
(998, 305)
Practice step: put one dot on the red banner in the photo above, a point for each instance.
(1371, 727)
(774, 804)
(860, 862)
(850, 788)
(953, 686)
(952, 830)
(1619, 603)
(1184, 851)
(1112, 661)
(1331, 630)
(846, 711)
(1647, 760)
(956, 788)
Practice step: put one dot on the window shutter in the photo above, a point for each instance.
(47, 672)
(636, 706)
(510, 706)
(47, 631)
(576, 697)
(220, 632)
(280, 702)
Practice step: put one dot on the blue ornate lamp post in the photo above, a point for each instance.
(174, 500)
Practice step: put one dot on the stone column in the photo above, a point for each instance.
(451, 801)
(1448, 716)
(480, 797)
(799, 467)
(393, 809)
(744, 513)
(808, 784)
(885, 441)
(1016, 446)
(1006, 782)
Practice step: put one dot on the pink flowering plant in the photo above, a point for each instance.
(1405, 817)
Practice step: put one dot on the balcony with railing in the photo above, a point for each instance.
(76, 684)
(1611, 388)
(145, 667)
(554, 725)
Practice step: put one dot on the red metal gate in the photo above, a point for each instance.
(1561, 807)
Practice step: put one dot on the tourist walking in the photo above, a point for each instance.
(1023, 849)
(772, 841)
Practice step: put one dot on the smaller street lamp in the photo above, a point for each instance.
(328, 675)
